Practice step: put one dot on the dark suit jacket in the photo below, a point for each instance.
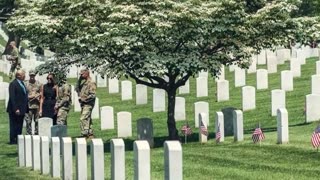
(18, 99)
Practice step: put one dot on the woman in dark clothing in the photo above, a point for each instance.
(49, 94)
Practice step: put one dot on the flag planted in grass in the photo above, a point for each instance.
(257, 135)
(186, 130)
(315, 138)
(203, 129)
(218, 134)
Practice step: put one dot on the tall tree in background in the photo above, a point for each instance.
(7, 9)
(158, 43)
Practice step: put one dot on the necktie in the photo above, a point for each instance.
(23, 87)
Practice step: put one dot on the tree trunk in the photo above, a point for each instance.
(172, 130)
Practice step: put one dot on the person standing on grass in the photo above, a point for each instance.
(49, 93)
(17, 105)
(33, 87)
(86, 90)
(63, 102)
(14, 58)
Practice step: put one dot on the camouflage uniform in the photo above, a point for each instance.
(63, 104)
(15, 61)
(34, 104)
(86, 90)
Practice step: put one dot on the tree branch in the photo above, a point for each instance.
(140, 81)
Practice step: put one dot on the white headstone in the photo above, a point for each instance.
(220, 124)
(141, 160)
(35, 152)
(262, 57)
(27, 150)
(113, 85)
(81, 158)
(73, 95)
(73, 72)
(55, 157)
(318, 67)
(202, 86)
(45, 167)
(66, 158)
(232, 67)
(222, 90)
(295, 67)
(315, 84)
(117, 159)
(201, 107)
(272, 64)
(95, 112)
(203, 138)
(282, 126)
(253, 66)
(97, 159)
(44, 126)
(159, 101)
(294, 52)
(283, 55)
(124, 124)
(107, 117)
(141, 94)
(238, 125)
(76, 104)
(3, 86)
(301, 56)
(270, 53)
(185, 89)
(101, 81)
(239, 77)
(262, 79)
(21, 161)
(180, 109)
(287, 80)
(248, 98)
(203, 74)
(278, 100)
(7, 97)
(126, 90)
(312, 107)
(173, 160)
(221, 76)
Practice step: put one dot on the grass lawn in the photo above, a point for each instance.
(228, 160)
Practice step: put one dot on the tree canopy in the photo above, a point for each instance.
(159, 43)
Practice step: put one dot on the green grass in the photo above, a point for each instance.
(228, 160)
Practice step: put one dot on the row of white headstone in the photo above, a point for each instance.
(282, 126)
(33, 151)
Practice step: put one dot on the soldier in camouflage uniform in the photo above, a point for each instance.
(63, 103)
(86, 90)
(14, 58)
(33, 86)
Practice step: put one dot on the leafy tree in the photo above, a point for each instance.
(7, 8)
(158, 43)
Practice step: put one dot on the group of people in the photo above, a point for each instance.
(30, 100)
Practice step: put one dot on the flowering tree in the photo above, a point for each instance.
(158, 43)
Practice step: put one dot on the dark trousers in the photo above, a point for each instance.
(16, 123)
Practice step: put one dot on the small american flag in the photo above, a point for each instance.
(257, 135)
(186, 130)
(315, 138)
(218, 134)
(203, 129)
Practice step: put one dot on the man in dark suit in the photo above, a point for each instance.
(17, 105)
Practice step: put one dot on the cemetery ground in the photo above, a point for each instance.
(227, 160)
